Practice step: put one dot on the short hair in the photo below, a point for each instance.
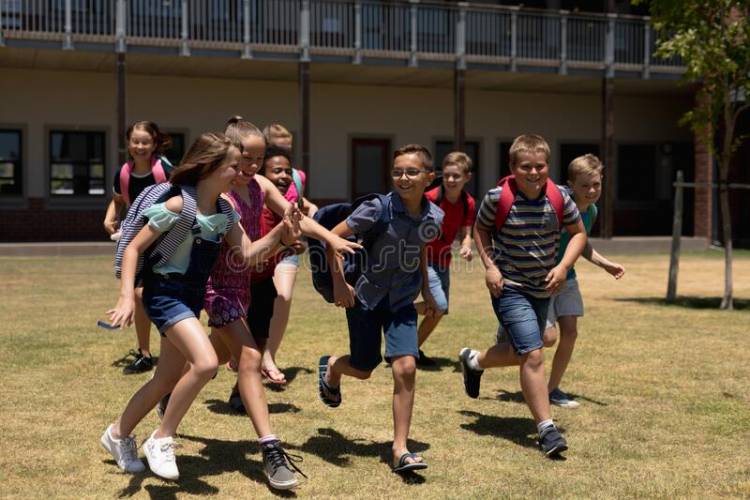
(459, 159)
(586, 164)
(416, 149)
(528, 143)
(273, 151)
(276, 131)
(237, 129)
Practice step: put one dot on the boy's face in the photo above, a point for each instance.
(454, 178)
(410, 178)
(531, 172)
(279, 171)
(587, 188)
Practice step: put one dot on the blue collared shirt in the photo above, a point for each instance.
(392, 268)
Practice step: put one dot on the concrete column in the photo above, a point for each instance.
(121, 109)
(304, 101)
(609, 157)
(459, 109)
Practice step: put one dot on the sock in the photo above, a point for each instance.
(268, 439)
(473, 361)
(544, 424)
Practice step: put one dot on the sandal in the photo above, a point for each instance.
(404, 466)
(330, 396)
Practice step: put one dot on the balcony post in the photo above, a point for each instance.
(2, 38)
(121, 106)
(563, 42)
(68, 38)
(247, 52)
(514, 39)
(608, 156)
(461, 36)
(304, 31)
(357, 32)
(609, 56)
(647, 49)
(120, 30)
(304, 83)
(414, 47)
(185, 33)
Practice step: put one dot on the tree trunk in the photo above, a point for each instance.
(727, 301)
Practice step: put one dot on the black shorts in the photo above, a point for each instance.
(262, 296)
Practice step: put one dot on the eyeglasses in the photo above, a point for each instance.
(411, 173)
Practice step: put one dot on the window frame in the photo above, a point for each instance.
(14, 198)
(76, 200)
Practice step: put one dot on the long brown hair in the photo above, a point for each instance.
(161, 140)
(204, 156)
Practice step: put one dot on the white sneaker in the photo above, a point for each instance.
(160, 456)
(123, 451)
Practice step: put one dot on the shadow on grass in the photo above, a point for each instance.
(335, 448)
(128, 359)
(290, 374)
(216, 458)
(517, 397)
(514, 429)
(442, 363)
(222, 408)
(688, 302)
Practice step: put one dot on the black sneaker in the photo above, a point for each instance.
(161, 407)
(425, 361)
(278, 465)
(472, 378)
(551, 442)
(140, 364)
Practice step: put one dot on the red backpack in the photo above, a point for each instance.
(157, 169)
(508, 196)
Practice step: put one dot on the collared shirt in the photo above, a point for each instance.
(392, 269)
(526, 246)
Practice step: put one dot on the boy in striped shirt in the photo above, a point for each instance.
(519, 254)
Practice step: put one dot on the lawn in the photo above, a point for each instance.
(664, 393)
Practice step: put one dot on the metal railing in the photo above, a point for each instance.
(411, 29)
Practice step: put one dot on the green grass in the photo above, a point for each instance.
(664, 392)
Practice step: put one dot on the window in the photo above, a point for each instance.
(569, 152)
(471, 148)
(77, 162)
(636, 172)
(175, 153)
(10, 162)
(370, 166)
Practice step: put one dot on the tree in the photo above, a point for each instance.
(712, 37)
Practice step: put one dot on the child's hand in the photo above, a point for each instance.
(343, 293)
(615, 270)
(111, 226)
(124, 312)
(494, 281)
(555, 278)
(465, 252)
(342, 245)
(291, 231)
(430, 306)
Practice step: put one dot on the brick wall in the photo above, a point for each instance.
(703, 195)
(37, 223)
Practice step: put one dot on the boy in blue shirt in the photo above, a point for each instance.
(383, 296)
(521, 274)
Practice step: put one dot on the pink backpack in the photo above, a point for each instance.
(157, 169)
(508, 196)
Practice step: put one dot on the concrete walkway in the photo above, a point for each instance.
(630, 245)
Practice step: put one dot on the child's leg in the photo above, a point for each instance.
(404, 378)
(190, 340)
(284, 278)
(568, 336)
(439, 283)
(142, 324)
(533, 385)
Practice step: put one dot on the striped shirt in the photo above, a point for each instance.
(526, 246)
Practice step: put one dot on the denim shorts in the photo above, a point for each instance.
(259, 314)
(399, 328)
(170, 299)
(439, 281)
(291, 260)
(523, 317)
(566, 302)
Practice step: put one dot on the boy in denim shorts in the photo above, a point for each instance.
(382, 299)
(585, 181)
(519, 258)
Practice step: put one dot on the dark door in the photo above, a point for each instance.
(370, 166)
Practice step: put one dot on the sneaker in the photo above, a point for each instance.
(472, 378)
(551, 442)
(559, 398)
(123, 451)
(235, 401)
(161, 407)
(425, 361)
(278, 465)
(160, 456)
(140, 364)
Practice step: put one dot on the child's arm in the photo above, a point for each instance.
(492, 277)
(343, 292)
(255, 252)
(613, 268)
(578, 239)
(113, 209)
(430, 306)
(465, 251)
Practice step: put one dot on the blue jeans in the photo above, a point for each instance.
(399, 329)
(523, 317)
(439, 282)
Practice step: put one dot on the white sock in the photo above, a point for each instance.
(473, 361)
(544, 424)
(268, 439)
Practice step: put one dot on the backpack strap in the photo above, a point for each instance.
(157, 170)
(125, 171)
(509, 188)
(556, 199)
(226, 208)
(172, 239)
(381, 225)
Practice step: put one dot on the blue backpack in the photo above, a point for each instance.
(329, 217)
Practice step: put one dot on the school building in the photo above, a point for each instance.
(353, 80)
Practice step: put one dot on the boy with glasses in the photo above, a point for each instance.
(382, 299)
